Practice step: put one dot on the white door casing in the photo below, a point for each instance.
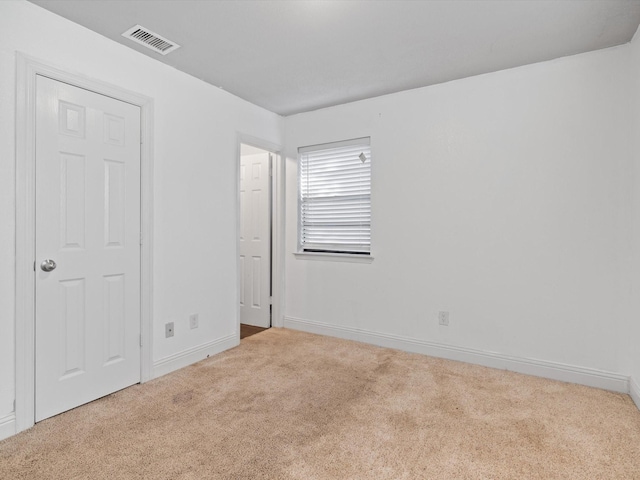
(87, 310)
(255, 240)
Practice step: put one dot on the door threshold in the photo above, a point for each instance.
(248, 330)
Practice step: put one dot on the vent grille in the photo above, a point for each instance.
(151, 40)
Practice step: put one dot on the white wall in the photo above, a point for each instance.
(502, 198)
(632, 337)
(195, 154)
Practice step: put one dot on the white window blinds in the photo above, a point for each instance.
(335, 197)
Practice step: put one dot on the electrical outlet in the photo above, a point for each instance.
(443, 318)
(168, 329)
(193, 321)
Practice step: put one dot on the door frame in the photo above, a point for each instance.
(277, 227)
(28, 68)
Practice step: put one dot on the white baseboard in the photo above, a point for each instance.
(634, 391)
(539, 368)
(193, 355)
(7, 426)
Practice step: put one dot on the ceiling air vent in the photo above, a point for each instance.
(151, 40)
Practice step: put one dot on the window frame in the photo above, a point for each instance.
(338, 253)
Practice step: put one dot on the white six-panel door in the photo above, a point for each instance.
(255, 238)
(88, 223)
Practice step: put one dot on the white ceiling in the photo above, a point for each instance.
(292, 56)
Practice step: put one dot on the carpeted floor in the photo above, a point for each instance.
(290, 405)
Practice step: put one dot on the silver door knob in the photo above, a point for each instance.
(48, 265)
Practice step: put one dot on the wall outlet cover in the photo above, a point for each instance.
(168, 330)
(193, 321)
(443, 318)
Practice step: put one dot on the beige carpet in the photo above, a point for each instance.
(289, 405)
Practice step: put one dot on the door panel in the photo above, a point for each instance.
(88, 222)
(72, 312)
(255, 240)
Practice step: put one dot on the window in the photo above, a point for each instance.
(335, 197)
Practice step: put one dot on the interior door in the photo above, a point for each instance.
(255, 240)
(87, 269)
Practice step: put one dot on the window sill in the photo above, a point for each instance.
(334, 257)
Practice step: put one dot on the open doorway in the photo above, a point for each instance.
(255, 240)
